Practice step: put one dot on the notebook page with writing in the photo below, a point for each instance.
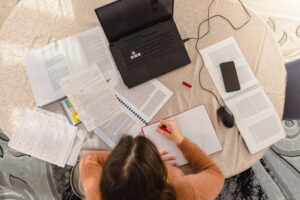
(44, 137)
(92, 97)
(194, 124)
(79, 138)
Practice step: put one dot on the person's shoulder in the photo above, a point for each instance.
(95, 156)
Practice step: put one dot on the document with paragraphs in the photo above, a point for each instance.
(47, 66)
(144, 100)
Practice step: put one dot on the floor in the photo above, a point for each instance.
(276, 176)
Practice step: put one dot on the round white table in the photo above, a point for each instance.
(34, 23)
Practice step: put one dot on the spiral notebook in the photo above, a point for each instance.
(255, 115)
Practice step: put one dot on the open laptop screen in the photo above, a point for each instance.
(124, 17)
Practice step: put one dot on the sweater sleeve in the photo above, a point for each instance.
(209, 180)
(90, 170)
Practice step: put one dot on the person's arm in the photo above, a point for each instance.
(209, 180)
(198, 160)
(90, 171)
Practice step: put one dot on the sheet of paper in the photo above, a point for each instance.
(145, 99)
(88, 48)
(45, 69)
(51, 114)
(122, 124)
(78, 142)
(43, 137)
(194, 124)
(79, 139)
(92, 97)
(255, 115)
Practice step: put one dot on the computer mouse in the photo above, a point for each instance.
(226, 116)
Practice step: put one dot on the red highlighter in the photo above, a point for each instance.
(164, 128)
(186, 84)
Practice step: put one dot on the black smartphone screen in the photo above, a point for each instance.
(230, 77)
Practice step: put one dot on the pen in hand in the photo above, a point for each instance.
(164, 128)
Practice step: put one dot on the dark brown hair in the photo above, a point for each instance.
(135, 171)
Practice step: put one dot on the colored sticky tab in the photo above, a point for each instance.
(67, 103)
(70, 104)
(74, 115)
(76, 120)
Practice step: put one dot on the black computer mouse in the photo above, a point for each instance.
(226, 116)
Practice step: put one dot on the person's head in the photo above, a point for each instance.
(135, 171)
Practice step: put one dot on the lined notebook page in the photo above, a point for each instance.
(194, 124)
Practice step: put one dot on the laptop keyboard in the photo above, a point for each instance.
(150, 48)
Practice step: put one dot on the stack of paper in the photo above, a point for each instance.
(112, 110)
(48, 136)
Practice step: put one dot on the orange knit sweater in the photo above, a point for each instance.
(206, 184)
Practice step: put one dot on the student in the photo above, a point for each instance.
(135, 170)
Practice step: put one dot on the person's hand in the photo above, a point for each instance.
(167, 159)
(171, 125)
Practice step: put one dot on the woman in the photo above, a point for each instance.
(135, 170)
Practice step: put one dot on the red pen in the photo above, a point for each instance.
(185, 83)
(165, 129)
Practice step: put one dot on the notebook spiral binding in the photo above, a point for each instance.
(241, 92)
(131, 110)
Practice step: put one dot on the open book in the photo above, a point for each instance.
(47, 66)
(255, 115)
(194, 124)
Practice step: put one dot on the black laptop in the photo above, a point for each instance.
(143, 37)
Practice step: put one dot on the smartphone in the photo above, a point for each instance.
(230, 78)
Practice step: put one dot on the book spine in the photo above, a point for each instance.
(131, 110)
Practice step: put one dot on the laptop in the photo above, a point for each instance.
(143, 38)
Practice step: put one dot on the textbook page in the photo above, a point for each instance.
(92, 97)
(120, 125)
(145, 99)
(43, 137)
(255, 115)
(194, 124)
(46, 67)
(88, 48)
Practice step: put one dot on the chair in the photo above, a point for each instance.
(292, 95)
